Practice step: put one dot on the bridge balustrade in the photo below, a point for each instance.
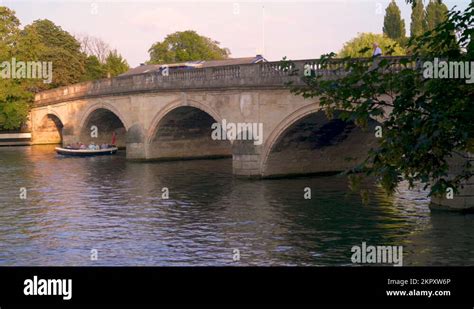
(259, 76)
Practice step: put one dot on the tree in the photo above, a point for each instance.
(93, 46)
(115, 64)
(63, 50)
(436, 13)
(418, 21)
(94, 69)
(428, 121)
(101, 60)
(45, 41)
(9, 28)
(364, 41)
(393, 24)
(15, 99)
(14, 106)
(186, 46)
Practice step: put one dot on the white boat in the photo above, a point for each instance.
(86, 152)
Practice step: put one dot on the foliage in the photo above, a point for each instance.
(418, 22)
(14, 105)
(436, 13)
(115, 64)
(9, 27)
(186, 46)
(427, 121)
(15, 99)
(44, 41)
(63, 50)
(93, 69)
(361, 46)
(393, 24)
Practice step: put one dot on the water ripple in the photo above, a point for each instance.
(75, 205)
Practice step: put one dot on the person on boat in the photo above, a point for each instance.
(82, 146)
(114, 138)
(104, 146)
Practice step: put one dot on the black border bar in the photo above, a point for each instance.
(241, 285)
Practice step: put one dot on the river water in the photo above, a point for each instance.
(74, 206)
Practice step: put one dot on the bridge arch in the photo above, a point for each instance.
(99, 122)
(53, 112)
(174, 105)
(49, 130)
(184, 130)
(307, 141)
(101, 105)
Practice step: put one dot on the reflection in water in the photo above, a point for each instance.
(75, 205)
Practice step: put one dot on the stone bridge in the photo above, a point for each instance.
(171, 117)
(158, 117)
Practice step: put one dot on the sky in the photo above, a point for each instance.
(297, 29)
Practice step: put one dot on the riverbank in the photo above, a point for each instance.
(15, 139)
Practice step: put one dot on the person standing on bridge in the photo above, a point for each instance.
(377, 50)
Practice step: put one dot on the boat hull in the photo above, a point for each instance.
(86, 152)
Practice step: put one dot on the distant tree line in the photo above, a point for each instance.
(421, 20)
(74, 60)
(393, 39)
